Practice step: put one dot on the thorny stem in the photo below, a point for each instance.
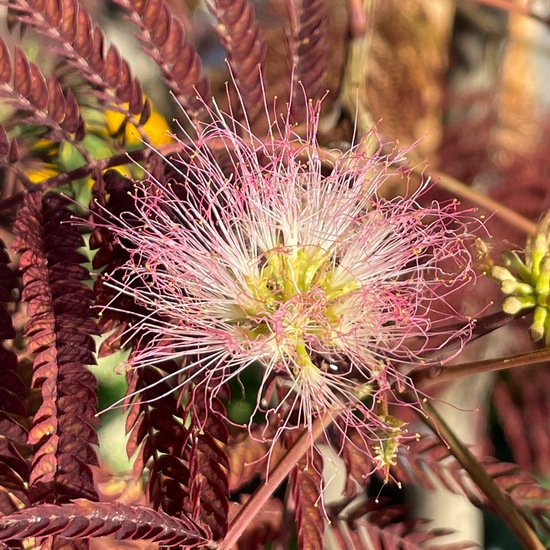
(276, 477)
(437, 375)
(500, 501)
(459, 189)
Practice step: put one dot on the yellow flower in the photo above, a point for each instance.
(102, 128)
(156, 128)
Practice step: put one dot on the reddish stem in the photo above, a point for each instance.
(437, 375)
(500, 501)
(276, 477)
(463, 191)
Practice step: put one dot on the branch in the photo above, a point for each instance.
(276, 477)
(500, 502)
(435, 376)
(463, 191)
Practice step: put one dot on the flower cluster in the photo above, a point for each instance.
(285, 258)
(527, 283)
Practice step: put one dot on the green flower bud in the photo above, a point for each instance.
(515, 304)
(527, 281)
(501, 274)
(512, 261)
(516, 288)
(539, 320)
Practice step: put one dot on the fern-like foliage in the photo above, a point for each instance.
(429, 463)
(182, 447)
(522, 402)
(251, 455)
(72, 35)
(39, 101)
(14, 468)
(380, 525)
(111, 192)
(357, 463)
(308, 51)
(60, 329)
(85, 519)
(194, 466)
(307, 481)
(241, 37)
(163, 37)
(267, 525)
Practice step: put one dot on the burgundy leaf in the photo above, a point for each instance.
(59, 328)
(387, 526)
(428, 460)
(14, 469)
(22, 74)
(68, 27)
(163, 36)
(309, 53)
(241, 37)
(83, 518)
(307, 480)
(5, 63)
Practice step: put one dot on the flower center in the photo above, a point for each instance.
(296, 301)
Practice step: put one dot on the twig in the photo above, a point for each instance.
(276, 477)
(103, 164)
(460, 189)
(437, 375)
(500, 502)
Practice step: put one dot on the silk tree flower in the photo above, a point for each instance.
(295, 266)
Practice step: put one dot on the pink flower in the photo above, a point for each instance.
(297, 268)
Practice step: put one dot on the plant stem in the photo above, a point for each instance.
(460, 189)
(437, 375)
(499, 500)
(103, 164)
(276, 477)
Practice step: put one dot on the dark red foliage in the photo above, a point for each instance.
(84, 519)
(182, 447)
(358, 464)
(386, 527)
(14, 469)
(428, 462)
(163, 36)
(72, 35)
(39, 102)
(252, 454)
(308, 52)
(241, 38)
(307, 483)
(110, 197)
(522, 402)
(60, 329)
(266, 526)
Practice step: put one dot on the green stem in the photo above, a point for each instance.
(437, 375)
(499, 500)
(276, 477)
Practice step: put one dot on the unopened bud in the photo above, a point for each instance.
(512, 261)
(501, 274)
(516, 288)
(515, 304)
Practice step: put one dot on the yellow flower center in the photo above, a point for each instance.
(295, 299)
